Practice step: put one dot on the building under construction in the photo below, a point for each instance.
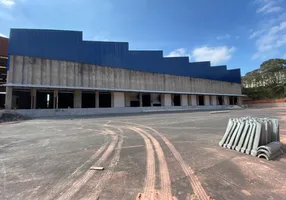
(3, 68)
(51, 69)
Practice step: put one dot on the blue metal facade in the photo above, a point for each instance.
(69, 46)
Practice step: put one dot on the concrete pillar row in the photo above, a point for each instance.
(33, 98)
(207, 100)
(226, 100)
(194, 100)
(166, 100)
(77, 99)
(56, 99)
(8, 97)
(97, 99)
(140, 99)
(239, 101)
(214, 100)
(184, 100)
(119, 99)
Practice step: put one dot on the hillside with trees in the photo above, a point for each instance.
(267, 82)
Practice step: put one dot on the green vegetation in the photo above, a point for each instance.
(267, 82)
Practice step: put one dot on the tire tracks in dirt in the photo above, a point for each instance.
(106, 175)
(193, 179)
(166, 191)
(78, 184)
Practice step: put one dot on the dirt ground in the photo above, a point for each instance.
(152, 156)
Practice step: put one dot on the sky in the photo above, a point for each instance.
(237, 33)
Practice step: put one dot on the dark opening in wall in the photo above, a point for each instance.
(156, 99)
(231, 101)
(88, 99)
(177, 100)
(21, 99)
(146, 100)
(105, 100)
(2, 101)
(65, 99)
(220, 100)
(201, 100)
(235, 101)
(45, 100)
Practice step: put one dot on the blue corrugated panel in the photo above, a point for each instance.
(69, 46)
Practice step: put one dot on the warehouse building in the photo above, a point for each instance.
(3, 68)
(52, 69)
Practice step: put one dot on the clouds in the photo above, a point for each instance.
(7, 3)
(269, 6)
(270, 36)
(217, 55)
(2, 35)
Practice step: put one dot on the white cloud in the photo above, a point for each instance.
(270, 34)
(2, 35)
(271, 40)
(7, 3)
(179, 53)
(217, 55)
(269, 6)
(255, 34)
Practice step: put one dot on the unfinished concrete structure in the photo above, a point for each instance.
(57, 70)
(3, 68)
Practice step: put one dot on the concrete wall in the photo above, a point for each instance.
(194, 100)
(100, 111)
(214, 100)
(37, 71)
(119, 100)
(166, 100)
(207, 100)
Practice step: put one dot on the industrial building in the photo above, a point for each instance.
(3, 68)
(53, 69)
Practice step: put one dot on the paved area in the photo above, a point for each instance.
(154, 156)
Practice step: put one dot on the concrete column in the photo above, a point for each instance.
(239, 101)
(214, 100)
(56, 99)
(97, 99)
(226, 100)
(184, 100)
(33, 98)
(166, 100)
(77, 99)
(8, 97)
(194, 100)
(140, 99)
(207, 100)
(119, 99)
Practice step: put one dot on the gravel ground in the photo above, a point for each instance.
(152, 156)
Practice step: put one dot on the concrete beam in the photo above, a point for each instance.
(77, 99)
(119, 99)
(8, 98)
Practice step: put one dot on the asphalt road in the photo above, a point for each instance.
(153, 156)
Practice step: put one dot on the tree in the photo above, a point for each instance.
(269, 81)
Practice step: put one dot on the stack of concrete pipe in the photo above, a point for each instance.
(255, 136)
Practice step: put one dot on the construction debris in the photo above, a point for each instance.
(97, 168)
(255, 136)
